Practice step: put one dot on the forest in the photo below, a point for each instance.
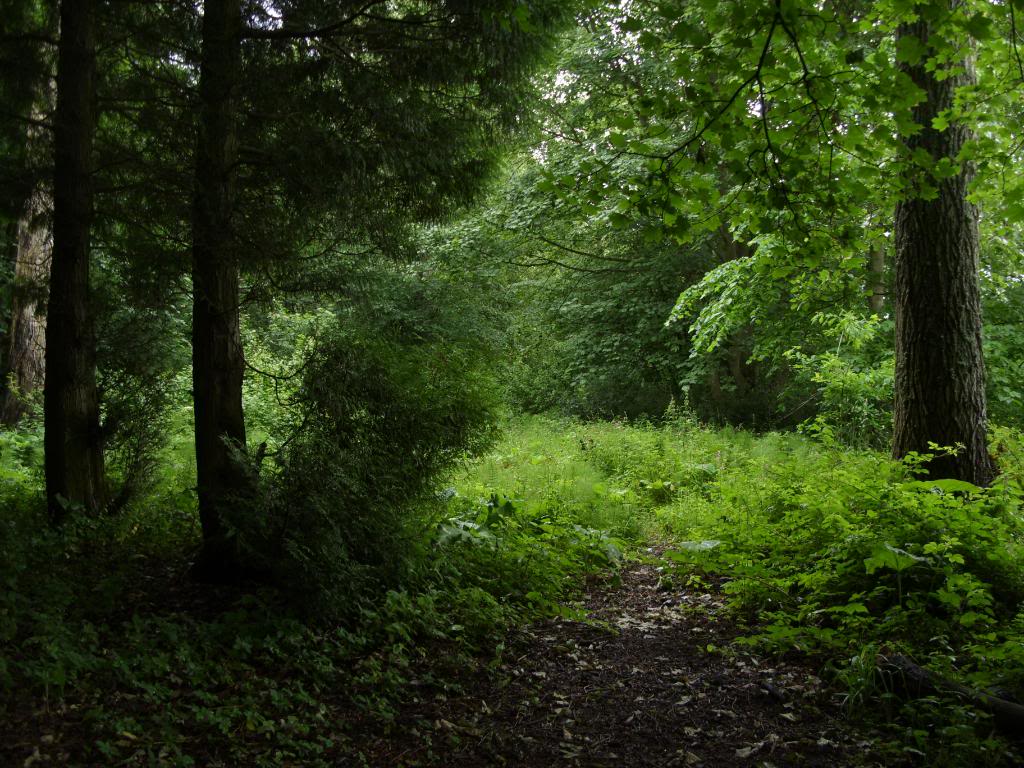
(511, 383)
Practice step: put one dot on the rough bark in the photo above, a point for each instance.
(26, 347)
(72, 439)
(940, 375)
(218, 364)
(9, 255)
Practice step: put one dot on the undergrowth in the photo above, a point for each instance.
(849, 557)
(109, 655)
(841, 555)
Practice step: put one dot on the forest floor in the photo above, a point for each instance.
(650, 677)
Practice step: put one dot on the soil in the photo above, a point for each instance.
(651, 677)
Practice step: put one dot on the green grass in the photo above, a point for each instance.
(543, 461)
(641, 482)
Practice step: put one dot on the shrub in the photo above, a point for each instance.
(839, 550)
(387, 404)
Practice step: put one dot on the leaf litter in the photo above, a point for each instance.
(650, 678)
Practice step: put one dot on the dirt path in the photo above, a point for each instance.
(656, 685)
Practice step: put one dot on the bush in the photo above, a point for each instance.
(852, 386)
(837, 551)
(387, 404)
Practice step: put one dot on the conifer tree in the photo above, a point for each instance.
(26, 91)
(72, 440)
(321, 126)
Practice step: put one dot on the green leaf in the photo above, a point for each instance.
(922, 158)
(946, 485)
(955, 486)
(893, 558)
(780, 272)
(910, 50)
(523, 19)
(979, 26)
(623, 122)
(1014, 212)
(699, 546)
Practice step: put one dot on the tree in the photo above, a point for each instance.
(823, 117)
(325, 128)
(681, 161)
(26, 201)
(218, 365)
(72, 440)
(26, 352)
(940, 371)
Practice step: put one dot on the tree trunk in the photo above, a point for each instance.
(739, 341)
(940, 375)
(10, 256)
(26, 362)
(876, 275)
(72, 440)
(218, 364)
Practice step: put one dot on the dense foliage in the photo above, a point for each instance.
(389, 323)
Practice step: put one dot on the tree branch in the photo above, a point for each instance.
(328, 30)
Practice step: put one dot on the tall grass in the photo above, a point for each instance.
(843, 554)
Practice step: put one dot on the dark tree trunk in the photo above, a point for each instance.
(72, 440)
(940, 373)
(739, 341)
(218, 364)
(10, 256)
(876, 274)
(26, 349)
